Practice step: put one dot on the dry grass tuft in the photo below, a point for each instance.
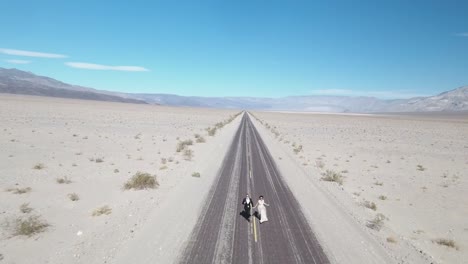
(103, 210)
(370, 205)
(376, 223)
(29, 226)
(196, 175)
(181, 145)
(332, 176)
(73, 196)
(420, 168)
(211, 131)
(64, 180)
(19, 190)
(188, 154)
(39, 166)
(140, 181)
(383, 197)
(446, 242)
(25, 209)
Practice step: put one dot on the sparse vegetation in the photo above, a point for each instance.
(370, 205)
(181, 145)
(99, 160)
(383, 197)
(332, 176)
(201, 139)
(420, 168)
(297, 149)
(196, 174)
(376, 223)
(63, 180)
(103, 210)
(73, 196)
(378, 183)
(140, 181)
(188, 154)
(211, 131)
(39, 166)
(25, 209)
(19, 190)
(29, 226)
(446, 242)
(391, 240)
(116, 171)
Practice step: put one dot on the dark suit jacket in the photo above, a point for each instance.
(244, 202)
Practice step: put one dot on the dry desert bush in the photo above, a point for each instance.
(140, 181)
(39, 166)
(370, 205)
(332, 176)
(63, 180)
(376, 223)
(73, 196)
(446, 242)
(201, 139)
(188, 154)
(19, 190)
(391, 240)
(25, 209)
(181, 145)
(211, 131)
(196, 175)
(29, 226)
(103, 210)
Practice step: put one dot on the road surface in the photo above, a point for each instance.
(224, 235)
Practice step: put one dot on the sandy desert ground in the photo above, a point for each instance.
(61, 160)
(404, 178)
(64, 164)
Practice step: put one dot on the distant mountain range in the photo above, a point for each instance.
(20, 82)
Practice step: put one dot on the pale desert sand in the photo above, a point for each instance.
(413, 168)
(98, 146)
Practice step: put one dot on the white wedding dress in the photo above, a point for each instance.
(262, 211)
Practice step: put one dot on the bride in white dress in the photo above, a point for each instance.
(262, 209)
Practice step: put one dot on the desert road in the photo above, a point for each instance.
(224, 235)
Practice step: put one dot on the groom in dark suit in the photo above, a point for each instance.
(248, 204)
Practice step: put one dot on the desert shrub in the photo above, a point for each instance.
(201, 140)
(25, 209)
(211, 131)
(391, 240)
(99, 160)
(140, 181)
(420, 168)
(19, 190)
(370, 205)
(298, 149)
(29, 226)
(181, 145)
(376, 223)
(383, 197)
(196, 174)
(63, 180)
(332, 176)
(39, 166)
(188, 154)
(103, 210)
(73, 196)
(446, 242)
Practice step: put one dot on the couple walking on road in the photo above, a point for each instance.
(248, 205)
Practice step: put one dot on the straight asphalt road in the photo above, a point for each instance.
(224, 235)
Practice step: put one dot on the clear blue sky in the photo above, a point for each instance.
(266, 48)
